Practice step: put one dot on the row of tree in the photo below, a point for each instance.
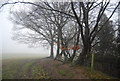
(69, 24)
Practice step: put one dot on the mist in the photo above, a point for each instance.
(23, 55)
(13, 49)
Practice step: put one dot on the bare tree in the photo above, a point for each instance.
(88, 22)
(43, 31)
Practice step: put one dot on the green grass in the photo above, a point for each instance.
(39, 73)
(22, 69)
(62, 72)
(10, 69)
(65, 73)
(94, 74)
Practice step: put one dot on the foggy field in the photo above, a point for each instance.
(23, 55)
(45, 68)
(22, 69)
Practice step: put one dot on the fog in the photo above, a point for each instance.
(11, 48)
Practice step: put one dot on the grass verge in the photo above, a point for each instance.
(94, 74)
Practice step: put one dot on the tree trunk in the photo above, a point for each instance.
(72, 57)
(84, 57)
(58, 49)
(51, 52)
(76, 44)
(60, 42)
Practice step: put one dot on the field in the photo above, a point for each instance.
(22, 69)
(45, 68)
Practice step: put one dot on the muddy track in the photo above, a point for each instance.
(58, 70)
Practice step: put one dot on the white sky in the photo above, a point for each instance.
(7, 45)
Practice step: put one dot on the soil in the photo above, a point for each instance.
(57, 70)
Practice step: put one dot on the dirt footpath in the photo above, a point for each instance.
(58, 70)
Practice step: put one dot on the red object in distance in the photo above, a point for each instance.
(73, 48)
(76, 47)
